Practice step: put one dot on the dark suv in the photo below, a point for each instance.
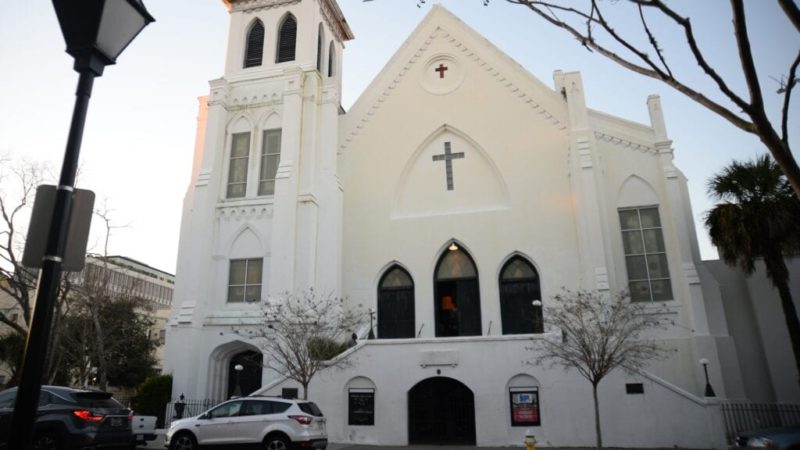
(70, 418)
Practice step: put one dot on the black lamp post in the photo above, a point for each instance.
(237, 391)
(709, 389)
(96, 32)
(538, 326)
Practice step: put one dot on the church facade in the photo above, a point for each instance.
(455, 198)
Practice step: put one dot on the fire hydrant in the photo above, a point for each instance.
(530, 441)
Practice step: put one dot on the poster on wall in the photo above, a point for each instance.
(525, 406)
(361, 407)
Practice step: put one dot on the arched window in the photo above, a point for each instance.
(457, 298)
(320, 48)
(520, 298)
(396, 304)
(331, 60)
(287, 38)
(254, 50)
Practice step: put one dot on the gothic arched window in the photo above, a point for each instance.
(457, 302)
(396, 304)
(254, 49)
(287, 39)
(320, 48)
(519, 289)
(331, 60)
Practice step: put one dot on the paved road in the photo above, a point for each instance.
(158, 444)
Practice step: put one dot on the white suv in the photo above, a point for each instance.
(275, 423)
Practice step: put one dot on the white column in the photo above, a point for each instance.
(587, 186)
(284, 229)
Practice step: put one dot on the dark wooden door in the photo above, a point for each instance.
(396, 313)
(441, 411)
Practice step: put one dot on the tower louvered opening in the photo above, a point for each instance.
(254, 51)
(287, 38)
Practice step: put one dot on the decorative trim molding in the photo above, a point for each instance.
(246, 210)
(468, 54)
(623, 142)
(256, 5)
(690, 271)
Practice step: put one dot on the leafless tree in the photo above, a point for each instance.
(18, 183)
(302, 334)
(587, 21)
(599, 333)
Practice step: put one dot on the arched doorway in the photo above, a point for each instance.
(519, 291)
(247, 380)
(441, 411)
(457, 302)
(396, 304)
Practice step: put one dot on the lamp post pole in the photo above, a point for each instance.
(50, 276)
(96, 32)
(709, 390)
(537, 316)
(237, 391)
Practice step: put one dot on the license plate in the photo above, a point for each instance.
(116, 421)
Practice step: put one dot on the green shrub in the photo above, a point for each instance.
(152, 397)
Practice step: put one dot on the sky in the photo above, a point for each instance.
(139, 136)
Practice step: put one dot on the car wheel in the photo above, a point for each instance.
(46, 440)
(183, 441)
(276, 442)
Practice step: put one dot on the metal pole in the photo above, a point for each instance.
(33, 366)
(709, 389)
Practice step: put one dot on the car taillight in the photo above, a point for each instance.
(87, 415)
(302, 420)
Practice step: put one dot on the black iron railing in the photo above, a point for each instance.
(746, 416)
(191, 408)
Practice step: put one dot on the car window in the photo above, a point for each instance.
(310, 408)
(256, 408)
(279, 407)
(45, 398)
(96, 400)
(7, 399)
(230, 409)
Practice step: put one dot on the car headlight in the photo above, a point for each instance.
(760, 442)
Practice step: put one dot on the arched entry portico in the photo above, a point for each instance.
(221, 369)
(441, 411)
(248, 379)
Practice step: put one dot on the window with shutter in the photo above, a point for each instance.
(320, 40)
(254, 51)
(331, 65)
(287, 38)
(270, 158)
(237, 170)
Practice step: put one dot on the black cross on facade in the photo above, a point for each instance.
(448, 158)
(441, 70)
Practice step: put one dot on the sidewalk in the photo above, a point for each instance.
(159, 445)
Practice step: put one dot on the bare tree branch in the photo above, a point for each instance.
(792, 12)
(599, 334)
(302, 334)
(787, 97)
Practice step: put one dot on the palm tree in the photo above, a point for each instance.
(758, 217)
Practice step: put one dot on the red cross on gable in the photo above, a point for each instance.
(441, 70)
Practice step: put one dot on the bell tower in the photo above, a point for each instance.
(263, 213)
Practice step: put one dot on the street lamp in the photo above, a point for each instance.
(96, 32)
(537, 316)
(709, 389)
(371, 334)
(237, 391)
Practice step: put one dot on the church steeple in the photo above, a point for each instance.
(269, 35)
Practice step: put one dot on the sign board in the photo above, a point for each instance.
(525, 406)
(77, 235)
(361, 407)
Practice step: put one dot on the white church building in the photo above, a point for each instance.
(455, 192)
